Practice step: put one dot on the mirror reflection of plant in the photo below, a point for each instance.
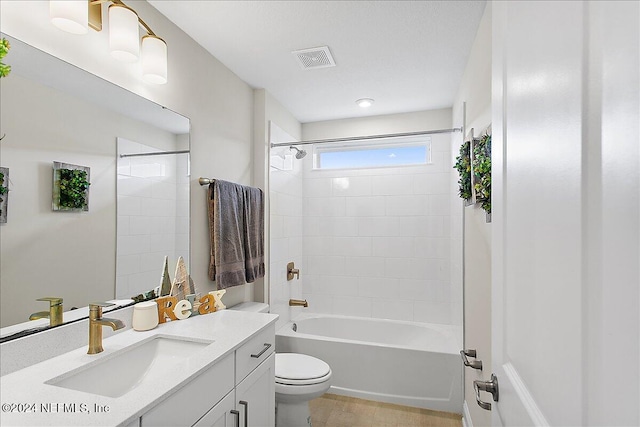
(3, 189)
(4, 49)
(73, 187)
(482, 172)
(463, 166)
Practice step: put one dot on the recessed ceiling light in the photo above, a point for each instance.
(364, 102)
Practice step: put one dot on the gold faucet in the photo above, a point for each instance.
(96, 322)
(54, 314)
(292, 271)
(298, 302)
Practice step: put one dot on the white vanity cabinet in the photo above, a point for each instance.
(237, 391)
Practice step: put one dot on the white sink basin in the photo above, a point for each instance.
(123, 371)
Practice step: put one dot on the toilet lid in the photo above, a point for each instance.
(294, 367)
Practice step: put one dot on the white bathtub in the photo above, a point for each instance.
(407, 363)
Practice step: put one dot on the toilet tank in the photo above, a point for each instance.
(255, 307)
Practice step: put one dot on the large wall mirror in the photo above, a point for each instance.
(138, 209)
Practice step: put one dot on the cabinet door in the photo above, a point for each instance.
(256, 396)
(221, 415)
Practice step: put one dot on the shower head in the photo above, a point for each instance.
(300, 153)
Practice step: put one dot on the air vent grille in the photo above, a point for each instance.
(317, 57)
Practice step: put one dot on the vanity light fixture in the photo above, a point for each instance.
(364, 102)
(76, 16)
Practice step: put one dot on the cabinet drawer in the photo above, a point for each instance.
(254, 352)
(191, 402)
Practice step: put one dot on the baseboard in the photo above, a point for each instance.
(466, 416)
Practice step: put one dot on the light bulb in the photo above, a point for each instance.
(365, 102)
(71, 16)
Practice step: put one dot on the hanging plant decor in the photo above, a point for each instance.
(463, 166)
(4, 194)
(70, 187)
(482, 172)
(4, 49)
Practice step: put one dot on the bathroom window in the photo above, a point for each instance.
(387, 152)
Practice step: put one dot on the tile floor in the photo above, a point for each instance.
(331, 410)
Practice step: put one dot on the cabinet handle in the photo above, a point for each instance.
(246, 412)
(237, 414)
(267, 346)
(476, 364)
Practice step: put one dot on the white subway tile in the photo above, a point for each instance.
(392, 185)
(439, 204)
(326, 265)
(428, 312)
(295, 247)
(433, 183)
(129, 206)
(392, 309)
(123, 225)
(364, 266)
(338, 226)
(393, 246)
(376, 287)
(128, 264)
(276, 230)
(128, 245)
(324, 206)
(317, 245)
(378, 226)
(139, 225)
(432, 247)
(317, 304)
(352, 306)
(406, 205)
(365, 206)
(318, 187)
(411, 268)
(279, 249)
(352, 246)
(351, 186)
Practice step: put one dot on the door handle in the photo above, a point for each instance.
(488, 386)
(476, 364)
(246, 412)
(237, 414)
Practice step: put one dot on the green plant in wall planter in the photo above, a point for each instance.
(4, 49)
(4, 194)
(70, 187)
(482, 172)
(463, 166)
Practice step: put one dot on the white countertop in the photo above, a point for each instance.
(25, 390)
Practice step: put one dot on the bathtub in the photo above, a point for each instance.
(413, 364)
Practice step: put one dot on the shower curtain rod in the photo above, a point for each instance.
(359, 138)
(156, 153)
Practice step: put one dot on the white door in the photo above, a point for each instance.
(566, 190)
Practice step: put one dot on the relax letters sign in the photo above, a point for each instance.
(170, 308)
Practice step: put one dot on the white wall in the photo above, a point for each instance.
(219, 104)
(376, 241)
(46, 253)
(153, 216)
(475, 90)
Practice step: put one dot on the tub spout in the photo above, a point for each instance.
(298, 303)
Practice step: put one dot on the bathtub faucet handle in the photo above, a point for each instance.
(292, 271)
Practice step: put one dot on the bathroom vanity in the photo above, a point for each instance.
(210, 370)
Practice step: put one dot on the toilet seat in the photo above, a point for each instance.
(300, 369)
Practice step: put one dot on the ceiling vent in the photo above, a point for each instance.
(316, 57)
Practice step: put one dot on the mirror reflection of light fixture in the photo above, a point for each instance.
(75, 16)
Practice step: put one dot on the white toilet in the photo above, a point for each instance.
(299, 378)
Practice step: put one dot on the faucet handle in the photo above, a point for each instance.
(100, 304)
(52, 300)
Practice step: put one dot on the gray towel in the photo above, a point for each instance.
(254, 233)
(236, 224)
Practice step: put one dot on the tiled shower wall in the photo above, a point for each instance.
(377, 241)
(153, 217)
(285, 230)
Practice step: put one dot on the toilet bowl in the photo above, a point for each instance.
(299, 378)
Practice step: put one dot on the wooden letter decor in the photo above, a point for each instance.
(165, 308)
(208, 304)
